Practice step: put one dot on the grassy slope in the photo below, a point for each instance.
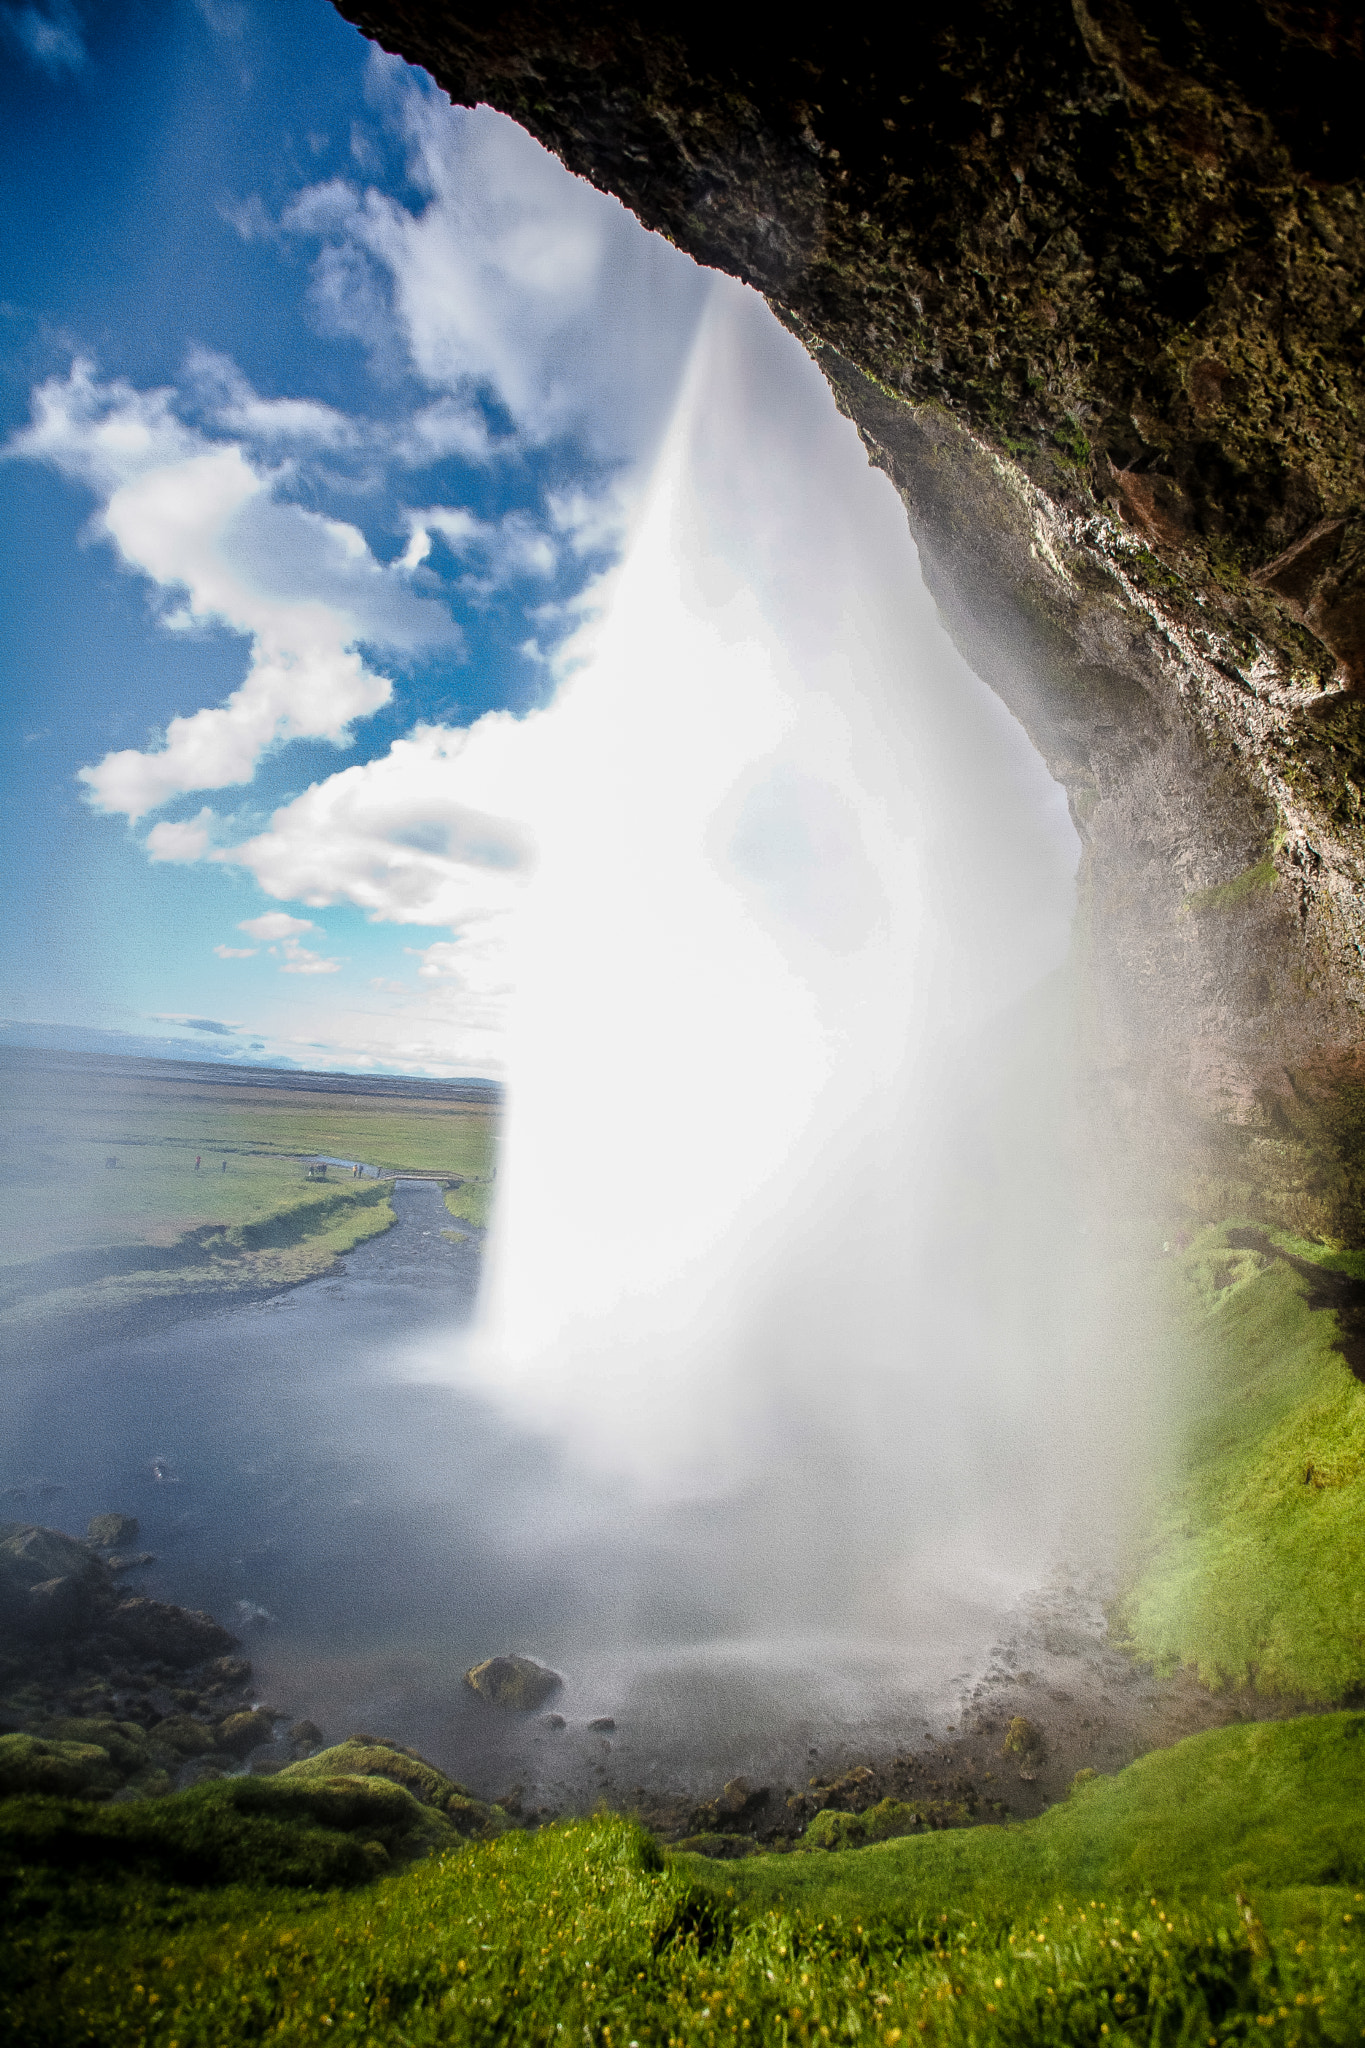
(1252, 1575)
(260, 1223)
(1050, 1932)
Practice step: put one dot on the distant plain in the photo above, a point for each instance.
(103, 1207)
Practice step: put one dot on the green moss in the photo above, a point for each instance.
(879, 1823)
(1256, 1571)
(1071, 444)
(1227, 895)
(1114, 1912)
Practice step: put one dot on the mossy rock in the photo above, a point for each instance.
(33, 1763)
(154, 1783)
(185, 1737)
(107, 1532)
(832, 1830)
(516, 1684)
(363, 1759)
(474, 1819)
(124, 1741)
(240, 1733)
(1024, 1741)
(361, 1756)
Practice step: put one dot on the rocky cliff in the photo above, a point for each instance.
(1090, 279)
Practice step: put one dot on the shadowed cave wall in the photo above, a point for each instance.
(1090, 280)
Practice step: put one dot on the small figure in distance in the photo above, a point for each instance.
(225, 1166)
(198, 1159)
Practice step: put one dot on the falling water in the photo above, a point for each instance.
(784, 1252)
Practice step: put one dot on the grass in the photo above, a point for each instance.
(1254, 1571)
(78, 1235)
(1115, 1917)
(472, 1203)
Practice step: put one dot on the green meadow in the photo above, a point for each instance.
(1212, 1893)
(102, 1205)
(1252, 1568)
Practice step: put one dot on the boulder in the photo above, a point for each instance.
(1024, 1741)
(516, 1684)
(739, 1803)
(170, 1635)
(376, 1767)
(58, 1606)
(221, 1673)
(185, 1737)
(29, 1555)
(106, 1532)
(32, 1763)
(240, 1733)
(124, 1742)
(372, 1756)
(49, 1582)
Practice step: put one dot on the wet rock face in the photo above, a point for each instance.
(1088, 278)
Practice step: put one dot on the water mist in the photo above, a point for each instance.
(784, 1256)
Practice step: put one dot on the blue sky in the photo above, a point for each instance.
(325, 406)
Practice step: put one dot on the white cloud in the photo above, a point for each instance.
(184, 839)
(275, 924)
(514, 546)
(422, 835)
(299, 960)
(206, 524)
(235, 952)
(51, 36)
(229, 401)
(511, 279)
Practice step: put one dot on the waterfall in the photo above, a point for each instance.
(784, 1241)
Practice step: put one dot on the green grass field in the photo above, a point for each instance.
(77, 1234)
(1210, 1894)
(1253, 1570)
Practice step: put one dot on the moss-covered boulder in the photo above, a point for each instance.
(370, 1759)
(880, 1823)
(516, 1684)
(32, 1763)
(124, 1742)
(185, 1737)
(107, 1532)
(240, 1733)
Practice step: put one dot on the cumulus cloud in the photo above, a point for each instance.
(185, 839)
(207, 525)
(509, 548)
(509, 280)
(51, 37)
(299, 960)
(274, 925)
(230, 401)
(236, 952)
